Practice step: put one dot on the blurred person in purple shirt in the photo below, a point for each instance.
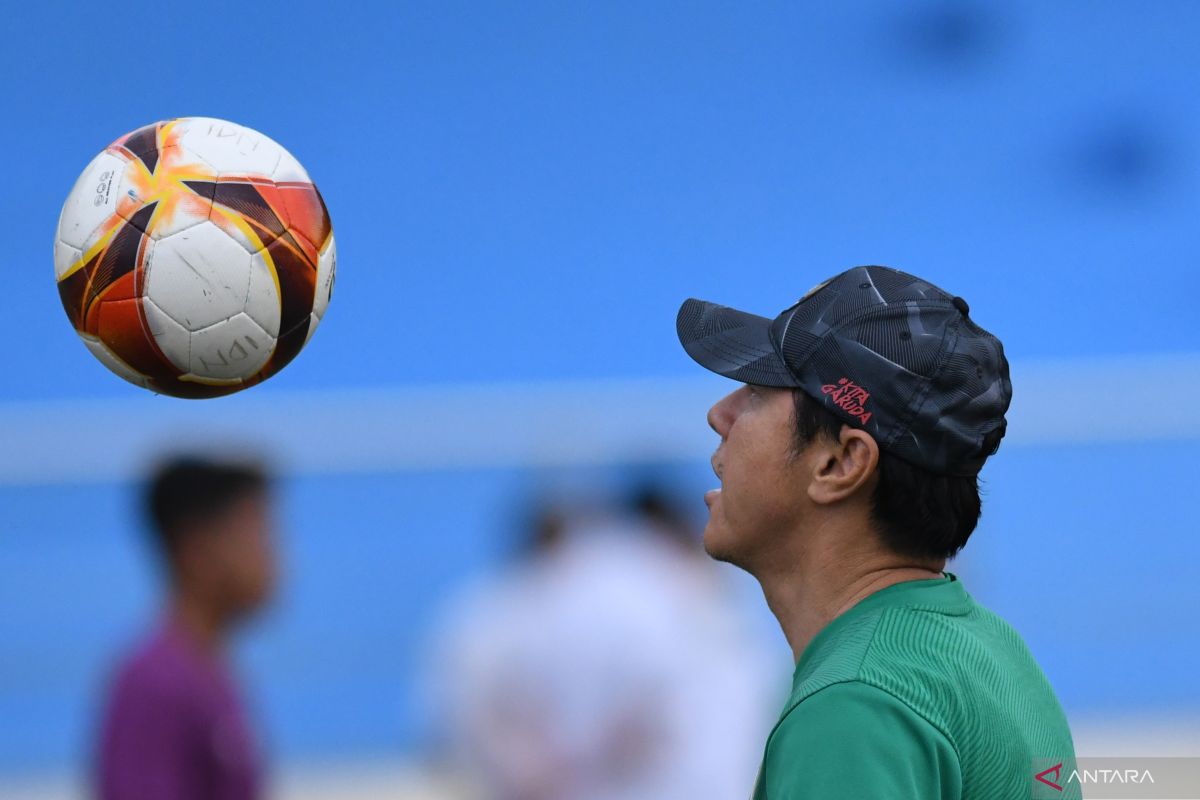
(174, 726)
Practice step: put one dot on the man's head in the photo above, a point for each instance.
(869, 405)
(212, 521)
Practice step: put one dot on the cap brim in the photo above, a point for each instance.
(732, 343)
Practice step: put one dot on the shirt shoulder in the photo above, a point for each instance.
(156, 673)
(974, 678)
(852, 739)
(171, 727)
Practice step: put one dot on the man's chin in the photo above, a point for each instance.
(719, 545)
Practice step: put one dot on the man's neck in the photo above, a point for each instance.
(198, 621)
(822, 586)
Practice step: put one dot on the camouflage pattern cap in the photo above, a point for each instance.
(883, 350)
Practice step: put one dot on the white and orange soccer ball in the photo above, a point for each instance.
(195, 257)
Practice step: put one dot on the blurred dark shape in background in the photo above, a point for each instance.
(174, 726)
(946, 36)
(663, 514)
(1120, 154)
(611, 660)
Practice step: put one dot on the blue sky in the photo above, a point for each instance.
(529, 191)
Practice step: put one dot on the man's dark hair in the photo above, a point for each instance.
(916, 512)
(188, 490)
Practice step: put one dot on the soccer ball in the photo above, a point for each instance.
(194, 257)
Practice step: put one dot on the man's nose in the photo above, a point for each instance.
(720, 416)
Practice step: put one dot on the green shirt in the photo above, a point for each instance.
(916, 692)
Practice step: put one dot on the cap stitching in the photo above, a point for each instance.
(779, 345)
(917, 401)
(730, 348)
(856, 315)
(742, 353)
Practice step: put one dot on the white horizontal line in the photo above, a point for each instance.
(1120, 399)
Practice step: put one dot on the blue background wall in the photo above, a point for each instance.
(527, 194)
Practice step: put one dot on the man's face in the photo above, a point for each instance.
(236, 558)
(761, 495)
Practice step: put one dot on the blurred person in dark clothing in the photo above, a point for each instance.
(174, 726)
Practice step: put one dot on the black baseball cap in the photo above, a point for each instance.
(884, 351)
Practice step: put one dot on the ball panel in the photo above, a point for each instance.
(72, 290)
(141, 144)
(173, 340)
(178, 205)
(191, 387)
(120, 289)
(326, 274)
(106, 263)
(65, 257)
(237, 228)
(120, 326)
(179, 215)
(228, 147)
(289, 170)
(167, 177)
(198, 277)
(262, 296)
(313, 322)
(288, 346)
(115, 364)
(93, 201)
(233, 349)
(253, 209)
(296, 277)
(307, 214)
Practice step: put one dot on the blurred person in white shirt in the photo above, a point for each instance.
(613, 662)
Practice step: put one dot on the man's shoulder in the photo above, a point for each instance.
(857, 738)
(926, 644)
(849, 704)
(836, 656)
(957, 690)
(930, 659)
(973, 679)
(155, 672)
(845, 667)
(934, 660)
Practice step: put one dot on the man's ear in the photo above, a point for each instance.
(843, 466)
